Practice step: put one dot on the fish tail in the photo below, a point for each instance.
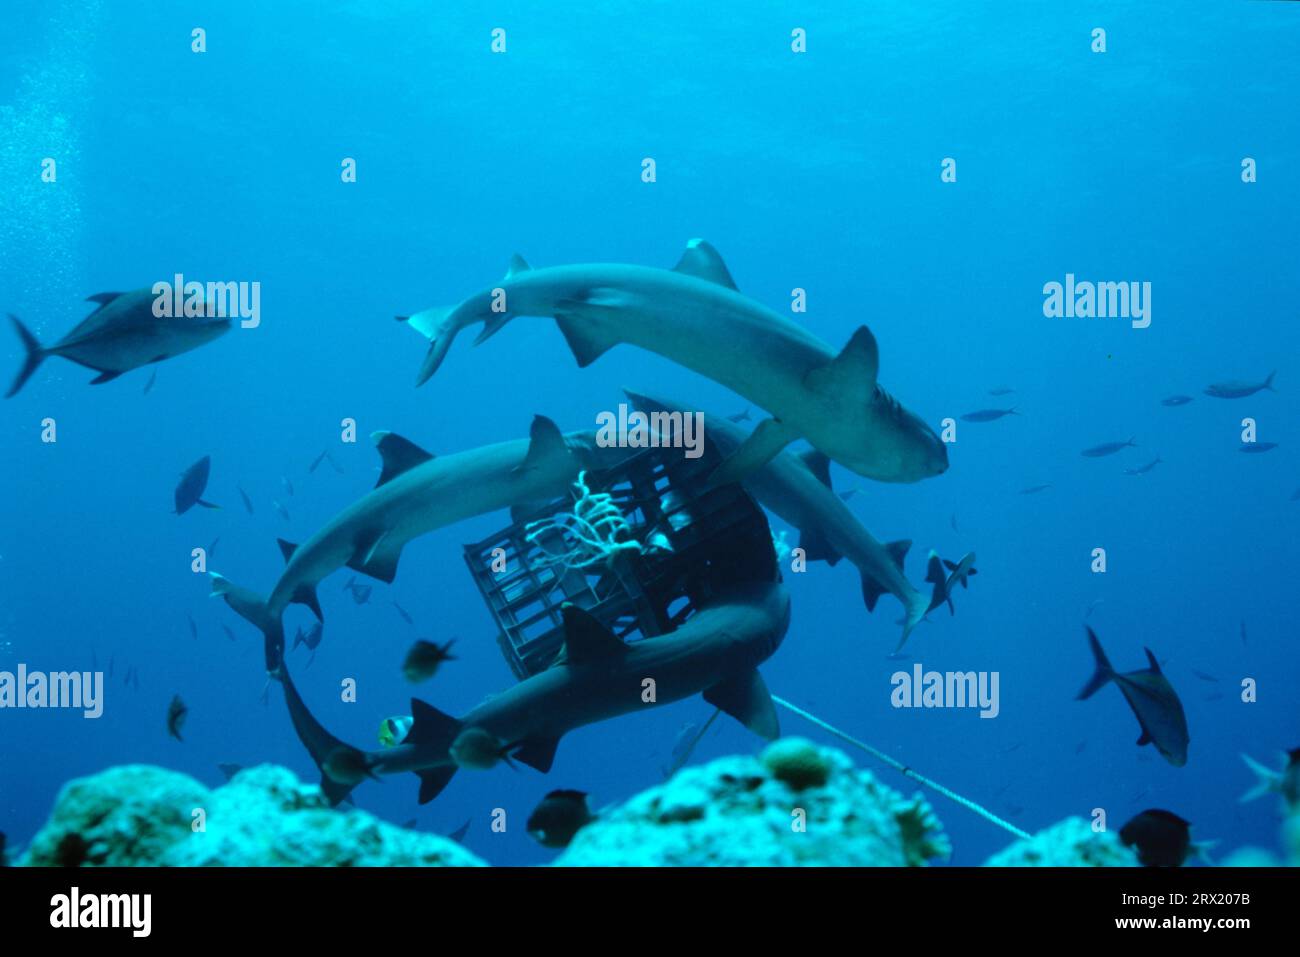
(320, 744)
(439, 325)
(1268, 383)
(915, 609)
(35, 355)
(253, 609)
(1104, 672)
(1267, 781)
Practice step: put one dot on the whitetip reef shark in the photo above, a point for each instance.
(120, 335)
(797, 487)
(693, 315)
(595, 677)
(416, 494)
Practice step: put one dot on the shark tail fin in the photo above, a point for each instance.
(915, 609)
(1104, 671)
(1267, 781)
(439, 325)
(1268, 383)
(252, 608)
(35, 354)
(323, 747)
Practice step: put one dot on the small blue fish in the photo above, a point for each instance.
(1258, 448)
(1108, 448)
(988, 415)
(1175, 400)
(192, 485)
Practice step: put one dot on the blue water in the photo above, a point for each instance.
(819, 171)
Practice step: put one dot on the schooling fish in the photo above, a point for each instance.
(335, 465)
(1034, 489)
(311, 638)
(193, 483)
(317, 461)
(248, 503)
(1001, 390)
(424, 659)
(288, 486)
(120, 335)
(284, 512)
(559, 816)
(1256, 448)
(1161, 838)
(212, 549)
(1154, 702)
(1239, 390)
(1144, 469)
(229, 634)
(1267, 781)
(1203, 676)
(194, 629)
(1174, 400)
(176, 713)
(987, 415)
(1107, 448)
(402, 611)
(153, 377)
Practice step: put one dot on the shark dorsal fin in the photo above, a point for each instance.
(585, 638)
(1155, 665)
(855, 369)
(103, 298)
(398, 454)
(702, 261)
(431, 727)
(544, 441)
(898, 551)
(517, 265)
(820, 465)
(286, 548)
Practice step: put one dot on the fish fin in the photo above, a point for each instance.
(854, 369)
(104, 377)
(517, 265)
(286, 548)
(951, 566)
(537, 753)
(376, 561)
(440, 329)
(585, 638)
(1155, 665)
(33, 355)
(702, 261)
(898, 551)
(398, 455)
(871, 592)
(1144, 738)
(544, 441)
(817, 548)
(745, 697)
(103, 298)
(430, 727)
(915, 609)
(586, 345)
(819, 464)
(306, 595)
(491, 326)
(433, 780)
(335, 792)
(763, 445)
(206, 504)
(1268, 383)
(934, 569)
(1267, 781)
(1104, 672)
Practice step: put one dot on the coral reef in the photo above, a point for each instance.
(1069, 843)
(797, 804)
(142, 815)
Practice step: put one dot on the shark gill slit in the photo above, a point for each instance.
(904, 769)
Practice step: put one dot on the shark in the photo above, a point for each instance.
(694, 315)
(417, 493)
(596, 677)
(797, 487)
(120, 335)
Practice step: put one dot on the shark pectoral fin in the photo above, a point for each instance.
(579, 323)
(104, 377)
(538, 754)
(898, 551)
(586, 639)
(397, 454)
(545, 440)
(702, 261)
(377, 560)
(286, 548)
(761, 447)
(433, 780)
(853, 371)
(816, 548)
(206, 504)
(1144, 738)
(745, 697)
(819, 464)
